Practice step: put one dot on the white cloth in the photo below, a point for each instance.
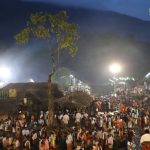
(85, 115)
(34, 136)
(78, 117)
(110, 140)
(17, 143)
(27, 144)
(23, 132)
(27, 132)
(69, 139)
(13, 130)
(65, 119)
(101, 123)
(1, 126)
(145, 138)
(60, 116)
(41, 121)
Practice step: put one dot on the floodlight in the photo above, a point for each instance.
(115, 68)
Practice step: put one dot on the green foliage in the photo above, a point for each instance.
(23, 37)
(46, 26)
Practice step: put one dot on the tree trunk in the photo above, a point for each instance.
(50, 102)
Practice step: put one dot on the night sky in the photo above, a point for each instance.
(110, 31)
(136, 8)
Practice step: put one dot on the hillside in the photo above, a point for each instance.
(105, 36)
(17, 13)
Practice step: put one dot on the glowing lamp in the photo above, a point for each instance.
(115, 68)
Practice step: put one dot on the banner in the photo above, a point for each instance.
(12, 93)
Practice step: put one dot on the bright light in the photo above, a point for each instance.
(2, 84)
(4, 73)
(71, 76)
(31, 80)
(147, 75)
(115, 68)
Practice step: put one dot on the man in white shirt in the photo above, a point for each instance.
(65, 119)
(78, 117)
(69, 141)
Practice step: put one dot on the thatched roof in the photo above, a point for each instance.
(28, 85)
(38, 89)
(38, 93)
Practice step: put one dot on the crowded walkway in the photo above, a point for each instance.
(78, 129)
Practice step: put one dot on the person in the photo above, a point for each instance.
(16, 143)
(42, 145)
(46, 143)
(27, 144)
(5, 142)
(34, 140)
(52, 140)
(78, 118)
(145, 140)
(110, 142)
(69, 141)
(65, 120)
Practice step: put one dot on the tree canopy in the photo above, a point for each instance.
(54, 29)
(59, 34)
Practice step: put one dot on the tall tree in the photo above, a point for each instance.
(58, 34)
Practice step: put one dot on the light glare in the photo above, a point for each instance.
(115, 68)
(4, 73)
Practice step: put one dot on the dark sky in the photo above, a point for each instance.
(136, 8)
(110, 30)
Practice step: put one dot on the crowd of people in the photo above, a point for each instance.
(78, 129)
